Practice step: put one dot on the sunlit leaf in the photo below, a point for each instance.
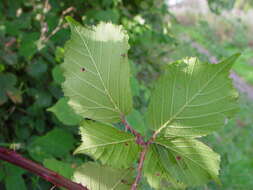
(96, 72)
(108, 144)
(155, 172)
(193, 98)
(97, 177)
(185, 160)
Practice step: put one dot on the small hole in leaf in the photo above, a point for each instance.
(126, 144)
(178, 158)
(83, 69)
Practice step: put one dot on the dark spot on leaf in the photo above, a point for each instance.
(123, 55)
(126, 143)
(83, 69)
(157, 174)
(178, 158)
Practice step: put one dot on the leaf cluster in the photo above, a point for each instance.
(30, 75)
(191, 99)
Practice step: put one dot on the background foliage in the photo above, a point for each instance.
(32, 35)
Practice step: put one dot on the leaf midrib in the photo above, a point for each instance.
(99, 74)
(108, 144)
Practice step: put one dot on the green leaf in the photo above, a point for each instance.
(187, 160)
(108, 15)
(7, 81)
(136, 120)
(13, 177)
(2, 173)
(43, 98)
(14, 182)
(37, 69)
(108, 144)
(96, 72)
(2, 68)
(193, 98)
(65, 113)
(97, 177)
(15, 95)
(135, 86)
(155, 172)
(28, 45)
(57, 75)
(60, 167)
(55, 143)
(7, 86)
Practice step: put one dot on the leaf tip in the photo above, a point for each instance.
(231, 60)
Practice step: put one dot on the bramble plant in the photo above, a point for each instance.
(191, 99)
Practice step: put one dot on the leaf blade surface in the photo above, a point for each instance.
(108, 144)
(97, 177)
(193, 98)
(96, 72)
(178, 161)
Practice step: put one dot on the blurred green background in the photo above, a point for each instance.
(32, 36)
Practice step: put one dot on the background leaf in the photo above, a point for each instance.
(7, 86)
(65, 113)
(136, 120)
(60, 167)
(56, 142)
(57, 74)
(13, 177)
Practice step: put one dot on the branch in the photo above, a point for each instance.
(44, 37)
(48, 175)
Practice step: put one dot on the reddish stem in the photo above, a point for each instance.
(139, 169)
(48, 175)
(145, 145)
(139, 138)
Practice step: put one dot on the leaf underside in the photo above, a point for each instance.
(108, 144)
(96, 72)
(183, 160)
(157, 175)
(193, 98)
(97, 177)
